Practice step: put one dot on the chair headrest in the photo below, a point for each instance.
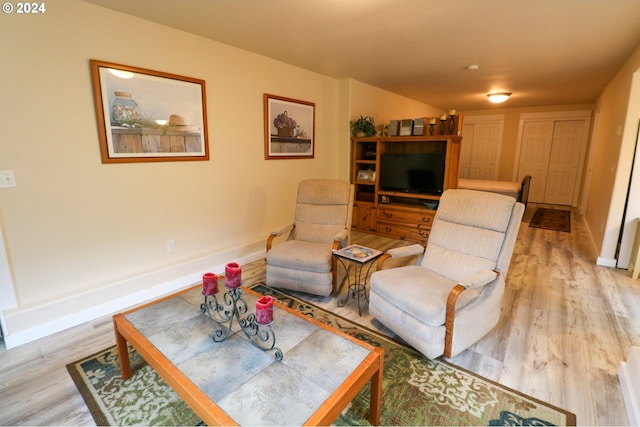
(476, 208)
(324, 192)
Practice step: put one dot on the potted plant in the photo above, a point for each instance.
(364, 126)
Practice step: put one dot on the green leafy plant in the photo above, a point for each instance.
(364, 125)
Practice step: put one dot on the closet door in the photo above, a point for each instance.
(552, 149)
(535, 150)
(568, 140)
(480, 149)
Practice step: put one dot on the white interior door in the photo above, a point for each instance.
(552, 148)
(568, 138)
(480, 150)
(535, 150)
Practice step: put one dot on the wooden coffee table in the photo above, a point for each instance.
(234, 382)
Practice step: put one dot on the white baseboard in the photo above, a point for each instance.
(628, 374)
(27, 324)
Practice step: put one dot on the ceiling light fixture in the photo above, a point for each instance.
(498, 97)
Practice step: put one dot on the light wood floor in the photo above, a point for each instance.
(566, 325)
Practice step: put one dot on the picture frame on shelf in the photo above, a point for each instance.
(148, 116)
(289, 128)
(366, 175)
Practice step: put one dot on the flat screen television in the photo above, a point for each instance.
(412, 172)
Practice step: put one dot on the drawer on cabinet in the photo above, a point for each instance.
(415, 233)
(424, 217)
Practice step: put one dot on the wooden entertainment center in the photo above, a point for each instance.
(401, 215)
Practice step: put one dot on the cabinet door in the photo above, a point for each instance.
(364, 216)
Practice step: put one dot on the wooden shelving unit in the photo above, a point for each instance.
(397, 214)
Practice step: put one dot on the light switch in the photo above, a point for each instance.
(7, 179)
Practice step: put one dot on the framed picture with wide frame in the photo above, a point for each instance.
(289, 128)
(148, 116)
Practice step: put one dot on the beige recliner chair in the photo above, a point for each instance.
(305, 262)
(451, 297)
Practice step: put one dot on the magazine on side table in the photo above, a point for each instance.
(358, 253)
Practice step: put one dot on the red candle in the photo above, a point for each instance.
(264, 310)
(232, 273)
(209, 284)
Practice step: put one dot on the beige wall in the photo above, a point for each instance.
(383, 106)
(74, 223)
(613, 150)
(84, 238)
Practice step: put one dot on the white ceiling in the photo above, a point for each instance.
(547, 52)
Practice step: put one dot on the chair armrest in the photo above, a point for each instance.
(282, 230)
(279, 232)
(401, 252)
(479, 279)
(404, 251)
(341, 235)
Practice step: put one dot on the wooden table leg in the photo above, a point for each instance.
(375, 403)
(123, 352)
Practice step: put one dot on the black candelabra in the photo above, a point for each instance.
(231, 308)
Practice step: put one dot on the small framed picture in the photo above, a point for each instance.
(289, 128)
(366, 175)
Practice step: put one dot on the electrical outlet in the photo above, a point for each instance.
(171, 245)
(7, 179)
